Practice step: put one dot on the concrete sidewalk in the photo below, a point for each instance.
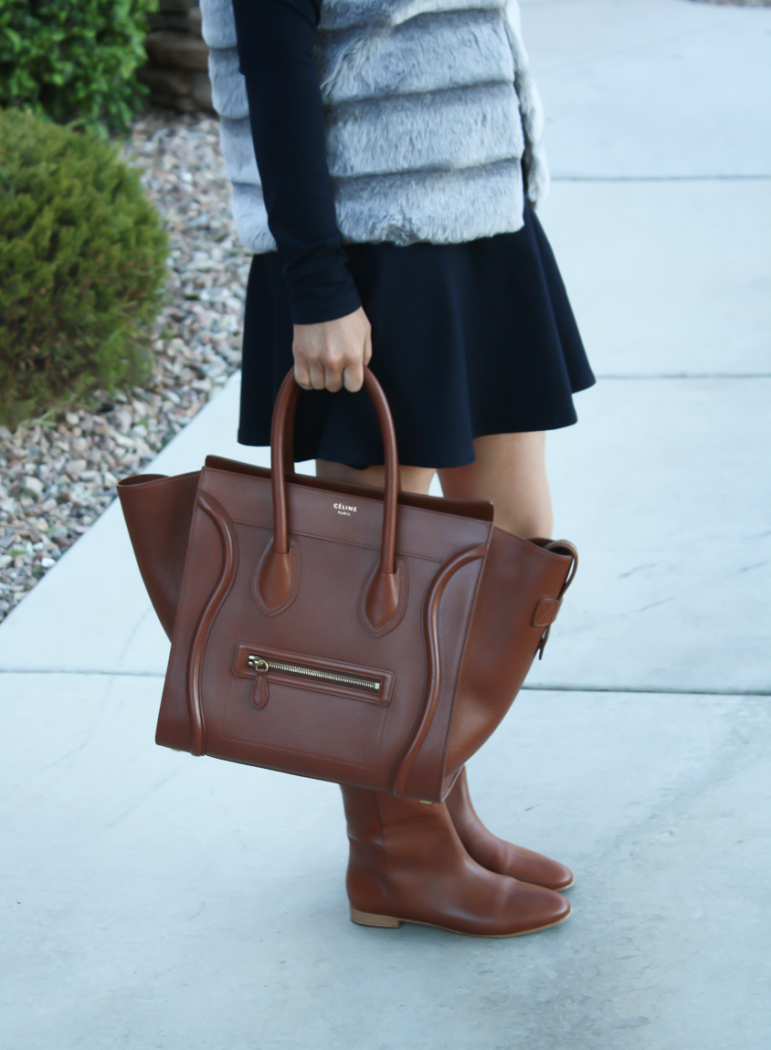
(156, 901)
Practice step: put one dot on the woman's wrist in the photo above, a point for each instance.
(324, 303)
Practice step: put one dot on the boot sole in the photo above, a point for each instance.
(364, 918)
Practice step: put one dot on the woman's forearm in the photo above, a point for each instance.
(275, 43)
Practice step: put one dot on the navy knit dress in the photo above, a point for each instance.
(468, 339)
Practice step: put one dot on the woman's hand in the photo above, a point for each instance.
(332, 354)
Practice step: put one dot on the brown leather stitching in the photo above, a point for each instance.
(274, 610)
(379, 631)
(431, 633)
(229, 541)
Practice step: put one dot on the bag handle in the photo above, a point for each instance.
(278, 574)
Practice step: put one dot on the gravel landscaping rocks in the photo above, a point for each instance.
(58, 474)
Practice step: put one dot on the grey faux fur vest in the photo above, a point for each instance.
(433, 120)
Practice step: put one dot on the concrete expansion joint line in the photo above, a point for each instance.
(686, 375)
(95, 672)
(643, 690)
(661, 178)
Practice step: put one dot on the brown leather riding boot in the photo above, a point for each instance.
(495, 854)
(407, 864)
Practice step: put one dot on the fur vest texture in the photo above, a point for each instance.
(433, 120)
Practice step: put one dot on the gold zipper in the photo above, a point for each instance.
(259, 663)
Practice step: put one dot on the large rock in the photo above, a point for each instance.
(182, 103)
(194, 21)
(201, 90)
(177, 20)
(170, 81)
(183, 50)
(180, 21)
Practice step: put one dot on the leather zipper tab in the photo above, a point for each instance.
(260, 694)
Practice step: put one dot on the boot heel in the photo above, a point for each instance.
(365, 918)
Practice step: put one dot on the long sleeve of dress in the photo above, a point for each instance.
(275, 46)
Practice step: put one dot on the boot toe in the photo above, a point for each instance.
(565, 880)
(536, 908)
(553, 875)
(496, 854)
(528, 866)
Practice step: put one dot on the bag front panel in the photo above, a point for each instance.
(330, 734)
(351, 722)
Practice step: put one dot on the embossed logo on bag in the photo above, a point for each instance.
(344, 509)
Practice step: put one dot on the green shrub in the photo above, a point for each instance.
(82, 264)
(74, 59)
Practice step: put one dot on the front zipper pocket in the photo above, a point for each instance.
(268, 666)
(329, 714)
(261, 665)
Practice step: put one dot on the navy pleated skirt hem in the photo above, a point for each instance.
(468, 340)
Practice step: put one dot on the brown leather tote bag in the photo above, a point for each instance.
(365, 636)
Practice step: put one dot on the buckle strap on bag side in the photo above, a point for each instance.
(547, 608)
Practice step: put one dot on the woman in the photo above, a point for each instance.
(397, 159)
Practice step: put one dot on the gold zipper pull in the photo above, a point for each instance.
(259, 694)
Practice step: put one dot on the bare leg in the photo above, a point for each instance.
(414, 479)
(510, 470)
